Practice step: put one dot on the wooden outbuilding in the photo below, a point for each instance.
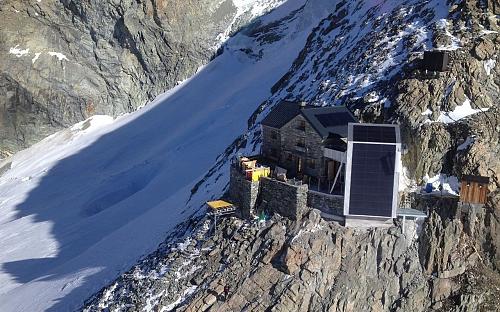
(474, 189)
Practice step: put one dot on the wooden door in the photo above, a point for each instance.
(331, 170)
(299, 165)
(473, 192)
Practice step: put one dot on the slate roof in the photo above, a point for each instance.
(329, 120)
(281, 114)
(325, 120)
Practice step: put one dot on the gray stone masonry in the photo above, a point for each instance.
(291, 134)
(328, 203)
(280, 144)
(243, 193)
(279, 197)
(282, 198)
(271, 143)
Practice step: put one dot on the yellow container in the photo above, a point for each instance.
(259, 172)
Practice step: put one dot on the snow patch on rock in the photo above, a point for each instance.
(450, 184)
(59, 55)
(465, 145)
(455, 42)
(460, 112)
(489, 65)
(37, 55)
(18, 52)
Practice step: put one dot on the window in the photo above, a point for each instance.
(274, 135)
(301, 125)
(311, 163)
(301, 142)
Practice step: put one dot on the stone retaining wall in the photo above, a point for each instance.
(328, 203)
(243, 193)
(280, 197)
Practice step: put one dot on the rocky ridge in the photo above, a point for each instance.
(315, 265)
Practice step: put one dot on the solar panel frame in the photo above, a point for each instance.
(372, 180)
(374, 133)
(353, 160)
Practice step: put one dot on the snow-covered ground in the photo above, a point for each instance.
(460, 112)
(450, 184)
(83, 205)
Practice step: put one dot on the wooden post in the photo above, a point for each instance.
(336, 177)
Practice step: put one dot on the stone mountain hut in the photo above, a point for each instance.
(307, 140)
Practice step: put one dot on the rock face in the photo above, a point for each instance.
(315, 265)
(423, 103)
(63, 61)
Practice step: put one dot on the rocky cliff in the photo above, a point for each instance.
(64, 61)
(315, 265)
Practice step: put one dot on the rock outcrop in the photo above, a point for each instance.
(315, 265)
(427, 105)
(63, 61)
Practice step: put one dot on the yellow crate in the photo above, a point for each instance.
(255, 174)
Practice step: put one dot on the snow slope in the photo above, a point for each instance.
(83, 205)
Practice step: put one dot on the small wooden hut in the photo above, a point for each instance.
(474, 189)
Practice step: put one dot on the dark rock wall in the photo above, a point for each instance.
(115, 56)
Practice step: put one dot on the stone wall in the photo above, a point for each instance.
(279, 197)
(271, 142)
(282, 198)
(290, 136)
(243, 193)
(332, 204)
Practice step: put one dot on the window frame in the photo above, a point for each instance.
(301, 142)
(301, 125)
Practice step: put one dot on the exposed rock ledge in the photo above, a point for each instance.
(315, 265)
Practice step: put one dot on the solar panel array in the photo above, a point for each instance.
(380, 134)
(334, 119)
(372, 179)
